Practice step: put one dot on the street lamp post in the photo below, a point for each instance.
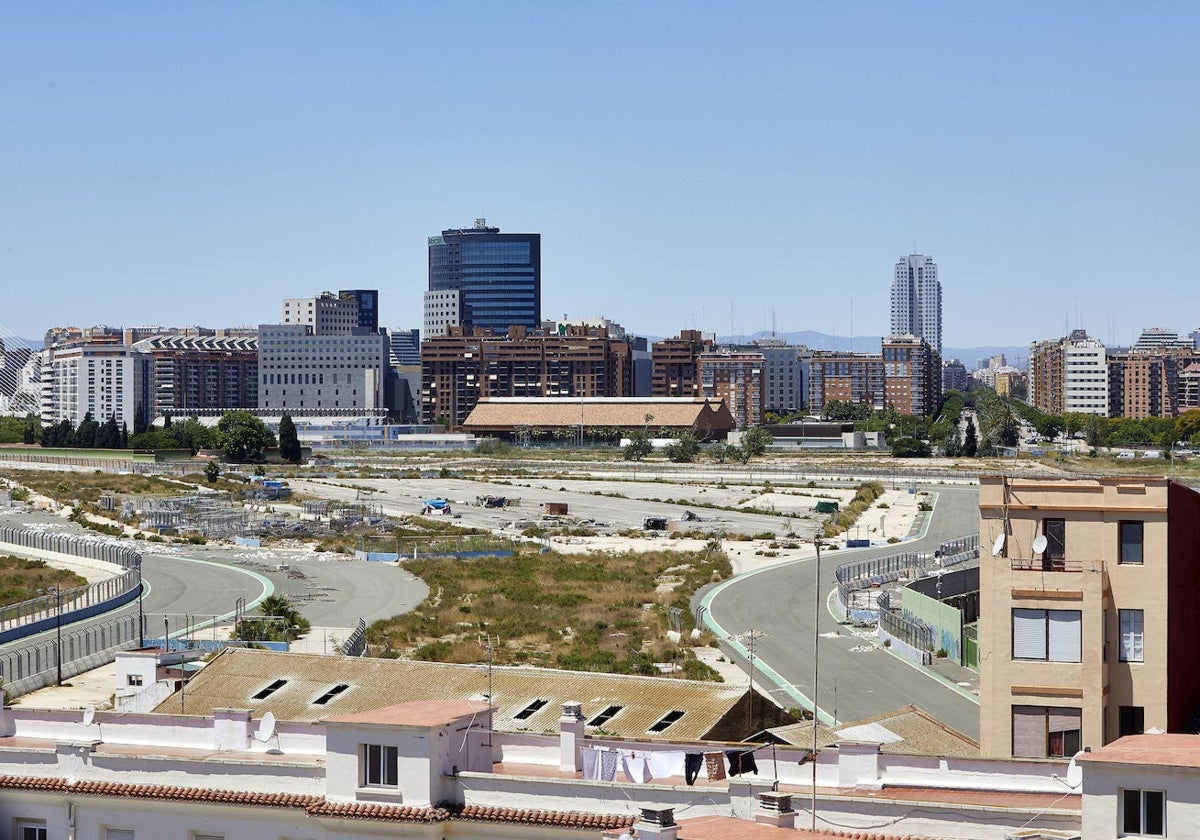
(141, 612)
(816, 673)
(56, 591)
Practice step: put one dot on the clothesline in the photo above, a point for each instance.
(641, 766)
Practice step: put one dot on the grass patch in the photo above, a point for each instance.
(844, 520)
(20, 579)
(65, 487)
(595, 612)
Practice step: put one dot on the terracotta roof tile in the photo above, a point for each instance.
(561, 819)
(376, 811)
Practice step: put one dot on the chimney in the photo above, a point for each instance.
(775, 809)
(570, 737)
(657, 823)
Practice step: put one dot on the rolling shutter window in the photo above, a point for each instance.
(1065, 636)
(1029, 634)
(1029, 731)
(118, 834)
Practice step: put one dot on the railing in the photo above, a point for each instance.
(356, 642)
(36, 665)
(1045, 564)
(31, 615)
(863, 574)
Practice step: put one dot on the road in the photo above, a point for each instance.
(197, 584)
(856, 683)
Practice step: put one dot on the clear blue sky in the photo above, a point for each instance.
(688, 164)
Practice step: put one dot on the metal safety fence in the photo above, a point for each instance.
(66, 603)
(863, 574)
(37, 664)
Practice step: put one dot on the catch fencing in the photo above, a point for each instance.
(27, 667)
(35, 665)
(876, 572)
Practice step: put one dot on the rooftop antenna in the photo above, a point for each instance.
(489, 643)
(266, 731)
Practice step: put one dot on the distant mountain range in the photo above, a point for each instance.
(969, 356)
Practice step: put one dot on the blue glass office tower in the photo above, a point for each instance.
(498, 276)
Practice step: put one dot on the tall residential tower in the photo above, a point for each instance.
(917, 300)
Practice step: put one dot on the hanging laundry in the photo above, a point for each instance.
(609, 759)
(692, 762)
(591, 762)
(741, 761)
(714, 766)
(666, 764)
(633, 764)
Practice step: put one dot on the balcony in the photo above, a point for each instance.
(1046, 564)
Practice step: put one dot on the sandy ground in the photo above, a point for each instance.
(891, 517)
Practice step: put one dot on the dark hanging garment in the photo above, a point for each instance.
(741, 761)
(692, 763)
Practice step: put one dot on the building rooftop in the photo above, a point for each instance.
(625, 412)
(1165, 750)
(907, 731)
(310, 688)
(418, 713)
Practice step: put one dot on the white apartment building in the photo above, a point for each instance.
(300, 369)
(443, 309)
(326, 313)
(1085, 376)
(88, 377)
(917, 300)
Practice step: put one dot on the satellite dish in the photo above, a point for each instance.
(1039, 543)
(998, 546)
(1074, 771)
(266, 727)
(89, 715)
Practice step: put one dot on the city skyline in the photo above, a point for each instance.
(718, 170)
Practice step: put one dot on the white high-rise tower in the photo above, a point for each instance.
(917, 300)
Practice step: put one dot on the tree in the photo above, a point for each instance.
(970, 440)
(85, 435)
(755, 442)
(280, 621)
(243, 437)
(639, 445)
(719, 451)
(684, 449)
(910, 447)
(33, 428)
(846, 410)
(212, 471)
(289, 441)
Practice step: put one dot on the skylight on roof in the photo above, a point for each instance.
(605, 716)
(666, 720)
(528, 711)
(330, 694)
(269, 690)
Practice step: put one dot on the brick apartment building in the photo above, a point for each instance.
(1088, 623)
(458, 369)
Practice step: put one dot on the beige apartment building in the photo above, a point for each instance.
(1090, 622)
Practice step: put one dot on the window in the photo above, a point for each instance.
(1132, 635)
(118, 834)
(1047, 635)
(133, 679)
(1131, 542)
(1143, 813)
(30, 830)
(1132, 720)
(380, 765)
(1055, 531)
(1045, 732)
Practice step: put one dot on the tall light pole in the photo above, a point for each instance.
(141, 613)
(56, 591)
(816, 673)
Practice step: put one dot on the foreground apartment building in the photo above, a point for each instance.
(1089, 623)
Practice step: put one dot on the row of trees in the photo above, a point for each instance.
(685, 448)
(239, 435)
